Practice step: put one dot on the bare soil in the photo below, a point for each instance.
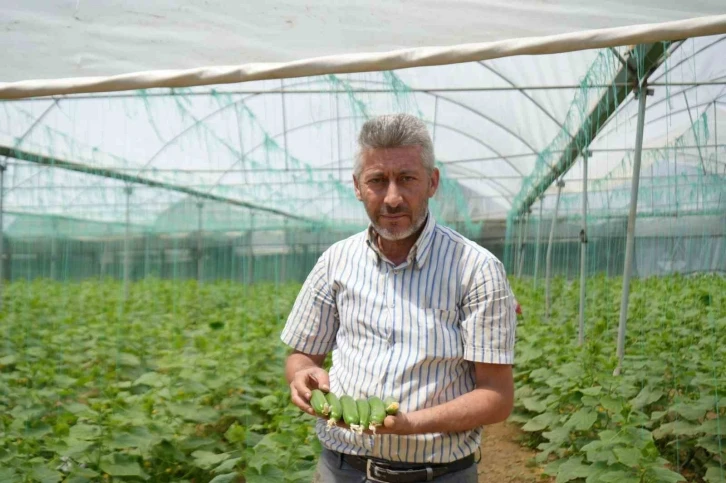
(505, 460)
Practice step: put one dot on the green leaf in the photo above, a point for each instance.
(591, 391)
(227, 465)
(45, 475)
(557, 435)
(711, 444)
(689, 411)
(646, 396)
(679, 428)
(628, 456)
(612, 405)
(8, 360)
(226, 478)
(77, 408)
(582, 420)
(597, 470)
(129, 360)
(85, 431)
(128, 468)
(207, 459)
(194, 412)
(153, 379)
(604, 455)
(267, 474)
(135, 437)
(76, 447)
(540, 422)
(571, 469)
(37, 431)
(235, 433)
(715, 474)
(618, 476)
(712, 427)
(535, 405)
(664, 475)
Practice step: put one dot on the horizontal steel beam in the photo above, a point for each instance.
(116, 175)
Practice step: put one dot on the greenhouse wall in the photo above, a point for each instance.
(662, 246)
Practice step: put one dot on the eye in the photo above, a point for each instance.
(408, 178)
(375, 180)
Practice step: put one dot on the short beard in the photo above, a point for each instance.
(386, 234)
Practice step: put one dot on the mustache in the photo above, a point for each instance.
(390, 210)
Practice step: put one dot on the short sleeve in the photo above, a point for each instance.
(489, 316)
(313, 323)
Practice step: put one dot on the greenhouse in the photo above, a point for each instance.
(170, 173)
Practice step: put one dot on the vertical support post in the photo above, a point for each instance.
(583, 249)
(516, 244)
(539, 237)
(523, 243)
(200, 258)
(3, 167)
(642, 93)
(548, 259)
(54, 251)
(127, 243)
(146, 255)
(284, 120)
(715, 136)
(251, 252)
(337, 135)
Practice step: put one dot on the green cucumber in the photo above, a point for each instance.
(336, 410)
(378, 411)
(364, 411)
(319, 403)
(350, 411)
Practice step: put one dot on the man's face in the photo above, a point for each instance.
(395, 188)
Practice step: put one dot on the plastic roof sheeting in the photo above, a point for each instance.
(293, 151)
(106, 37)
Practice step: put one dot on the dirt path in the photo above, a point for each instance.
(504, 460)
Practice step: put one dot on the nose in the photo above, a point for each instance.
(393, 195)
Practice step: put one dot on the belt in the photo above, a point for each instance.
(389, 471)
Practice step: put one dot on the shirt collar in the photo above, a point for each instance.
(419, 251)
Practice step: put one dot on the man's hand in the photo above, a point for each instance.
(303, 383)
(399, 424)
(304, 372)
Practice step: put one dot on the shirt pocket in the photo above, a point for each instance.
(440, 334)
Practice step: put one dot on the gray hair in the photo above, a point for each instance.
(394, 131)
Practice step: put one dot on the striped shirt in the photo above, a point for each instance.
(411, 331)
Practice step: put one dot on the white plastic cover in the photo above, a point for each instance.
(490, 119)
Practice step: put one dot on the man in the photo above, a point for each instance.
(411, 310)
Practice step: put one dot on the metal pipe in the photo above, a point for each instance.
(516, 245)
(548, 259)
(373, 91)
(539, 237)
(690, 117)
(583, 250)
(54, 251)
(642, 93)
(3, 167)
(522, 244)
(200, 260)
(116, 175)
(127, 243)
(715, 136)
(650, 57)
(284, 121)
(147, 249)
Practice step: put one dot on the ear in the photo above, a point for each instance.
(357, 189)
(434, 182)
